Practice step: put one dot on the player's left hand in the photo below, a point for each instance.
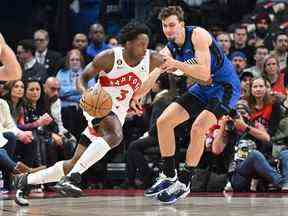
(169, 63)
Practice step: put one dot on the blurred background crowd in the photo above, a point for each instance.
(54, 40)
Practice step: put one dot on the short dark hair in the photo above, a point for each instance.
(240, 26)
(171, 10)
(131, 30)
(28, 45)
(277, 34)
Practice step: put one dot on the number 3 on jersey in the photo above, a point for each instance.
(123, 95)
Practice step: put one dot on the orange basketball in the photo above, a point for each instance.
(96, 102)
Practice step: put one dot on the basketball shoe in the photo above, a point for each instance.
(67, 186)
(176, 191)
(162, 183)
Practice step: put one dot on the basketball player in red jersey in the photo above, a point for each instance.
(11, 69)
(124, 72)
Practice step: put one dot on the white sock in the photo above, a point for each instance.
(51, 174)
(95, 151)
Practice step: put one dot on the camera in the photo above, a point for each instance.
(230, 125)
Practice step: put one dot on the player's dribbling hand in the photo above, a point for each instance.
(169, 63)
(136, 106)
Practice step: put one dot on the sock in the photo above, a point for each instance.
(186, 174)
(51, 174)
(95, 151)
(169, 166)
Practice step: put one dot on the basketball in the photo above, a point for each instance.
(96, 102)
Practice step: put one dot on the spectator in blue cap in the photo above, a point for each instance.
(239, 60)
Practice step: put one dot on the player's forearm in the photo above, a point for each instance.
(11, 69)
(197, 71)
(147, 84)
(82, 82)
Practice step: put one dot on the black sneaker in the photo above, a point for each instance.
(21, 198)
(20, 181)
(67, 186)
(23, 189)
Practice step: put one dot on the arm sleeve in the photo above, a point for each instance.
(274, 119)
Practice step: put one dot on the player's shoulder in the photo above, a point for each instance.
(108, 53)
(104, 56)
(201, 35)
(104, 59)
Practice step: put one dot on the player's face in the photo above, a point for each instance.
(139, 45)
(258, 88)
(33, 92)
(17, 90)
(172, 27)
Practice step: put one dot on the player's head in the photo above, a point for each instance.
(135, 38)
(172, 19)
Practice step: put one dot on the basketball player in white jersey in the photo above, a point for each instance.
(10, 69)
(124, 72)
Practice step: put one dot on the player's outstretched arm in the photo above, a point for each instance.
(198, 67)
(102, 62)
(11, 69)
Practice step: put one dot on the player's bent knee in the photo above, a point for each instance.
(197, 128)
(162, 121)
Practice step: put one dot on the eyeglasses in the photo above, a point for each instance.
(39, 39)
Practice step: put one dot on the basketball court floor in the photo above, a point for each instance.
(132, 203)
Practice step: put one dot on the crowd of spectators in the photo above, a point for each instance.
(40, 117)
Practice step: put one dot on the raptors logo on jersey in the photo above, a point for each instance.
(122, 81)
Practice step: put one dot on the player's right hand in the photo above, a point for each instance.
(136, 106)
